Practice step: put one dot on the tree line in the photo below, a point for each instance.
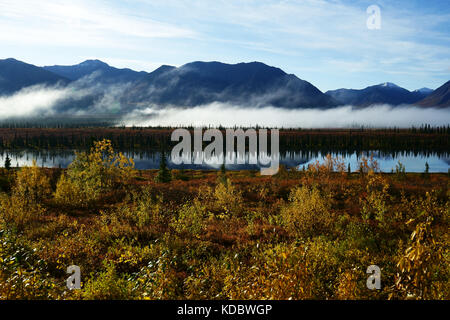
(418, 140)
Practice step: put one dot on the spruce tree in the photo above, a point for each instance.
(7, 162)
(222, 174)
(164, 174)
(223, 169)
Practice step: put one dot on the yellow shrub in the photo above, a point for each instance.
(308, 212)
(148, 210)
(190, 218)
(227, 198)
(14, 210)
(25, 202)
(92, 174)
(108, 285)
(423, 267)
(273, 273)
(69, 193)
(375, 205)
(32, 185)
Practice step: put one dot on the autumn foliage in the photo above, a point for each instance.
(301, 234)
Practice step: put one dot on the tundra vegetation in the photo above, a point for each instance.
(190, 234)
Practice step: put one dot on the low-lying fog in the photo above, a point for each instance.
(346, 116)
(41, 101)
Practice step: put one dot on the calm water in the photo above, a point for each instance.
(414, 162)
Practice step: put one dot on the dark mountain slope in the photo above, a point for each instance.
(15, 75)
(248, 84)
(438, 98)
(102, 72)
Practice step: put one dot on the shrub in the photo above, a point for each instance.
(17, 212)
(68, 193)
(31, 185)
(273, 272)
(207, 280)
(190, 218)
(367, 165)
(108, 285)
(423, 267)
(92, 174)
(22, 274)
(400, 171)
(227, 198)
(308, 212)
(160, 279)
(375, 206)
(148, 210)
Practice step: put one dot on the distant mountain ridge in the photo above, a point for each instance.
(15, 75)
(384, 93)
(438, 98)
(424, 90)
(252, 84)
(105, 72)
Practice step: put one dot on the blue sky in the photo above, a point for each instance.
(324, 42)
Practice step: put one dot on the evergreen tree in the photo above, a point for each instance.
(7, 162)
(223, 174)
(164, 174)
(223, 169)
(182, 175)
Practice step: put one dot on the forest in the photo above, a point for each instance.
(389, 140)
(306, 233)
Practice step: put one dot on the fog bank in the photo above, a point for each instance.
(87, 97)
(346, 116)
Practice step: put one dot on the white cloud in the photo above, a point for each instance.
(77, 23)
(31, 101)
(306, 37)
(229, 115)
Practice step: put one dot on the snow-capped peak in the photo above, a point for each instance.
(389, 84)
(424, 90)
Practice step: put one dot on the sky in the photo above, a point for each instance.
(327, 43)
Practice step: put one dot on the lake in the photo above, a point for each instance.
(414, 162)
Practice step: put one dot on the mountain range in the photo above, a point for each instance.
(385, 93)
(16, 75)
(247, 84)
(251, 84)
(439, 97)
(107, 74)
